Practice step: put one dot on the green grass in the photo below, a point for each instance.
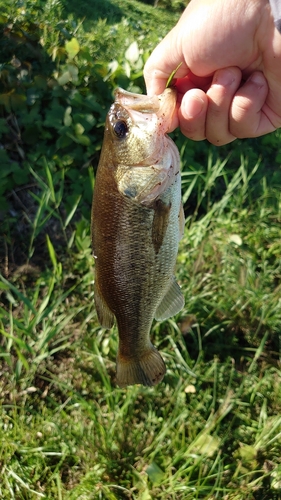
(212, 428)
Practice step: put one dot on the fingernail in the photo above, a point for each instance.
(224, 78)
(258, 79)
(193, 106)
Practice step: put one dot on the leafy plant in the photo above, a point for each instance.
(212, 429)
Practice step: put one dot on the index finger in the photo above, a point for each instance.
(162, 62)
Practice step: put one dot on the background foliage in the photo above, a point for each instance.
(213, 428)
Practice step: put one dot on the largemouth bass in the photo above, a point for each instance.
(137, 222)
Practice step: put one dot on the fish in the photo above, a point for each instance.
(137, 222)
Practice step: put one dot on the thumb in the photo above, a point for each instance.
(162, 62)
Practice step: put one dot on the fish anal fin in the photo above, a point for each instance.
(148, 369)
(105, 316)
(171, 304)
(160, 223)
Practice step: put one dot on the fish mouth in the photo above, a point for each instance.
(162, 106)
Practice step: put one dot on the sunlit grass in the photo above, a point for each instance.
(212, 429)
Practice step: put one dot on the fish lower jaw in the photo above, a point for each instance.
(147, 369)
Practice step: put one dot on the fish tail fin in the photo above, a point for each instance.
(149, 369)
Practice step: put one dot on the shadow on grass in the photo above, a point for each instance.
(94, 10)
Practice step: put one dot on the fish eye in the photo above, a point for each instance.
(120, 129)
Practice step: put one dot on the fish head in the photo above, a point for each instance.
(136, 125)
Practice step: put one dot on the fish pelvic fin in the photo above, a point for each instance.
(105, 316)
(172, 302)
(149, 369)
(181, 222)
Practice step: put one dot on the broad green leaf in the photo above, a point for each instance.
(91, 102)
(5, 101)
(154, 473)
(83, 139)
(18, 101)
(64, 78)
(40, 82)
(145, 495)
(63, 141)
(112, 67)
(79, 129)
(206, 445)
(132, 53)
(73, 71)
(236, 239)
(87, 120)
(72, 48)
(127, 68)
(67, 116)
(80, 139)
(54, 116)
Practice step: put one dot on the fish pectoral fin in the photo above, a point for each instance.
(134, 183)
(171, 304)
(105, 316)
(160, 223)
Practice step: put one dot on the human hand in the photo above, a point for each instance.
(230, 77)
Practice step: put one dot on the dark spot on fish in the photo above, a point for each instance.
(131, 192)
(157, 376)
(120, 129)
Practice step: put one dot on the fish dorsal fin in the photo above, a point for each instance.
(105, 316)
(172, 302)
(160, 223)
